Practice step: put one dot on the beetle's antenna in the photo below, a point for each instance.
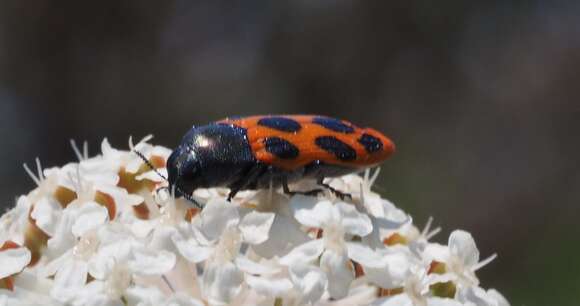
(149, 163)
(187, 196)
(190, 199)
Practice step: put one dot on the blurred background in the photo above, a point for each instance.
(481, 98)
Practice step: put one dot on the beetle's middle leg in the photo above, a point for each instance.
(248, 179)
(287, 191)
(341, 195)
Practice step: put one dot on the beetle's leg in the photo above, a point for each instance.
(246, 180)
(192, 200)
(177, 192)
(341, 195)
(187, 196)
(287, 191)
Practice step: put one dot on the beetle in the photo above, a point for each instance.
(272, 151)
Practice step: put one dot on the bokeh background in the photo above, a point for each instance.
(481, 98)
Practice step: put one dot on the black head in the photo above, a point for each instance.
(172, 184)
(214, 155)
(183, 167)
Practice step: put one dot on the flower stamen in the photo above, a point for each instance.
(484, 262)
(37, 179)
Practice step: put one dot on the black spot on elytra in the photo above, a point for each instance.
(280, 123)
(371, 143)
(340, 149)
(333, 124)
(281, 148)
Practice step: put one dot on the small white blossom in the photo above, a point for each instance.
(216, 237)
(478, 297)
(461, 258)
(96, 232)
(13, 261)
(335, 220)
(285, 232)
(14, 222)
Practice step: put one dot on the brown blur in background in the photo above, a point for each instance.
(481, 98)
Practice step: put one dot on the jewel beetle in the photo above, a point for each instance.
(272, 151)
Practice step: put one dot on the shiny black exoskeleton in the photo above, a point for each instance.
(209, 156)
(219, 155)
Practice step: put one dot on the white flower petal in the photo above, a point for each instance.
(144, 296)
(121, 196)
(304, 253)
(462, 245)
(285, 234)
(191, 249)
(217, 215)
(273, 287)
(95, 294)
(47, 212)
(252, 267)
(437, 301)
(106, 148)
(359, 294)
(161, 151)
(478, 296)
(63, 239)
(182, 299)
(153, 175)
(149, 262)
(390, 214)
(500, 299)
(311, 212)
(30, 280)
(435, 251)
(374, 238)
(339, 271)
(353, 221)
(396, 300)
(25, 297)
(68, 279)
(142, 228)
(50, 268)
(222, 282)
(92, 170)
(310, 281)
(365, 255)
(14, 221)
(13, 261)
(255, 227)
(108, 255)
(134, 163)
(392, 275)
(90, 216)
(161, 238)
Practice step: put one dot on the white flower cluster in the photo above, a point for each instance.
(98, 232)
